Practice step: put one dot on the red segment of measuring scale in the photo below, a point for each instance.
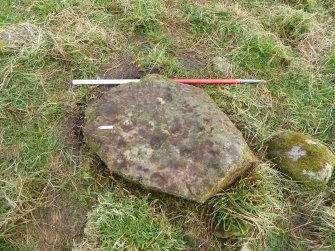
(219, 81)
(210, 81)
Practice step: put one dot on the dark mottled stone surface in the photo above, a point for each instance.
(167, 137)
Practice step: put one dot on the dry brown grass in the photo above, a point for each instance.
(74, 40)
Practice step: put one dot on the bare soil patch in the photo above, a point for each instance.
(122, 67)
(63, 223)
(71, 128)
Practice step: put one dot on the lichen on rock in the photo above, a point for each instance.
(167, 137)
(302, 158)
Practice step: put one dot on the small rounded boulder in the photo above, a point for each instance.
(302, 158)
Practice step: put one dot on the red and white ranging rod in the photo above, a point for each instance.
(182, 81)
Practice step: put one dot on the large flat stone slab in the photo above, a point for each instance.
(167, 137)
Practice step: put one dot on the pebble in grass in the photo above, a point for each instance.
(17, 36)
(302, 158)
(222, 66)
(167, 137)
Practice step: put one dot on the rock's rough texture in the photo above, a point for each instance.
(302, 158)
(222, 66)
(167, 137)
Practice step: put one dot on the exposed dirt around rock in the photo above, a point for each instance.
(122, 67)
(71, 128)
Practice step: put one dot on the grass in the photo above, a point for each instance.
(139, 16)
(291, 24)
(257, 206)
(129, 223)
(289, 43)
(269, 216)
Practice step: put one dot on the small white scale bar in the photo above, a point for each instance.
(104, 81)
(106, 127)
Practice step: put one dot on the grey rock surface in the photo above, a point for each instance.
(246, 247)
(168, 137)
(222, 66)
